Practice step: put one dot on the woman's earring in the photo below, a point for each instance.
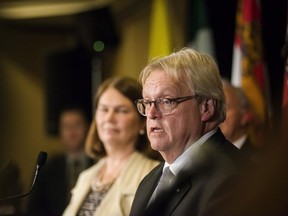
(141, 131)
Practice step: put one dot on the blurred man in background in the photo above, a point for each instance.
(238, 119)
(52, 192)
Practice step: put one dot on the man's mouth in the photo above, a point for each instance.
(156, 130)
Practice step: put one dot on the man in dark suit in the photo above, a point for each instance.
(184, 103)
(238, 120)
(52, 191)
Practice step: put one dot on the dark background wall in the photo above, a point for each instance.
(68, 83)
(68, 72)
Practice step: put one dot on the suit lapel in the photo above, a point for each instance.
(169, 199)
(178, 193)
(152, 183)
(146, 190)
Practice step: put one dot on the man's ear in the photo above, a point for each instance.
(207, 109)
(247, 117)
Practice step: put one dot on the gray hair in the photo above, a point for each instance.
(240, 94)
(199, 72)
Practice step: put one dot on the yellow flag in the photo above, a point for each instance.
(160, 35)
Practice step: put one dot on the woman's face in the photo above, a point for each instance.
(117, 120)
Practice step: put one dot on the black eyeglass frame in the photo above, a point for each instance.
(141, 107)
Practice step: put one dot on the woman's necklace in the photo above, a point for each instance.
(97, 184)
(100, 182)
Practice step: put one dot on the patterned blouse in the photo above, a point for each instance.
(96, 194)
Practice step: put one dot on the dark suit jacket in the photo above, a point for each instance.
(248, 149)
(199, 190)
(51, 193)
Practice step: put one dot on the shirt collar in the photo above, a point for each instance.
(187, 156)
(239, 142)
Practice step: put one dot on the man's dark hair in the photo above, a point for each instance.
(74, 108)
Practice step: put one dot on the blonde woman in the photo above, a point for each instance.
(117, 140)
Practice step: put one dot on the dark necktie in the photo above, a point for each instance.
(164, 182)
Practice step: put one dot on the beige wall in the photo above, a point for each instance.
(22, 56)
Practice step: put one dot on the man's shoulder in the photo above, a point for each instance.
(221, 156)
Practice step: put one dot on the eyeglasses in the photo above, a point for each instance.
(163, 105)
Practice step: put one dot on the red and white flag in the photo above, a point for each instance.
(248, 70)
